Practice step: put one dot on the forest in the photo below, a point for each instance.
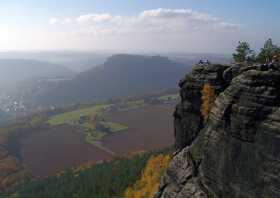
(110, 179)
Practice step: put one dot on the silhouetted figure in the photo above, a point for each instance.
(204, 62)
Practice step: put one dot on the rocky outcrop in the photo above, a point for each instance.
(181, 179)
(236, 152)
(188, 121)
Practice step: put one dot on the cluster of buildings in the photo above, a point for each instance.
(10, 105)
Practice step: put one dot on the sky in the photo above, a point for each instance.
(196, 26)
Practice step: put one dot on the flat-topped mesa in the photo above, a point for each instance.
(235, 152)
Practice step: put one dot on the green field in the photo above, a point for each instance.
(114, 127)
(90, 119)
(73, 117)
(169, 97)
(94, 134)
(129, 105)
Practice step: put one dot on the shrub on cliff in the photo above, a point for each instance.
(208, 98)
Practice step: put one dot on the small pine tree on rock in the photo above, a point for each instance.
(244, 53)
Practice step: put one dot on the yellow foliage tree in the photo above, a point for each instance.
(208, 98)
(148, 184)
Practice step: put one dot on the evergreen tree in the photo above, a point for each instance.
(268, 51)
(102, 180)
(244, 53)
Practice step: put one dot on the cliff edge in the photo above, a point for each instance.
(235, 152)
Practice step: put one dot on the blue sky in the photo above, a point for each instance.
(22, 20)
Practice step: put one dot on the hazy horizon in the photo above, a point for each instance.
(130, 26)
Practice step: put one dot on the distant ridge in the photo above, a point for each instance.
(13, 71)
(121, 75)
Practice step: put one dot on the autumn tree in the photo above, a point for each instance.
(149, 182)
(208, 98)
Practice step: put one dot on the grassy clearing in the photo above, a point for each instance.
(92, 121)
(73, 117)
(129, 105)
(92, 137)
(88, 118)
(93, 134)
(169, 97)
(114, 127)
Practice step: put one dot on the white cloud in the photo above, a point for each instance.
(185, 14)
(228, 25)
(53, 21)
(157, 29)
(94, 18)
(60, 21)
(149, 19)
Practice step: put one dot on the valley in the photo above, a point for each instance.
(50, 151)
(139, 99)
(149, 128)
(47, 143)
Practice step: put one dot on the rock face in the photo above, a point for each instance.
(236, 152)
(188, 121)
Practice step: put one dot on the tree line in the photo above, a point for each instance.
(109, 179)
(270, 52)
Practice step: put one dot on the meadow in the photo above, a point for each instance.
(49, 142)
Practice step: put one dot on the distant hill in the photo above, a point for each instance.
(121, 75)
(13, 71)
(74, 60)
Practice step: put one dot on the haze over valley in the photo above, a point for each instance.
(139, 99)
(72, 78)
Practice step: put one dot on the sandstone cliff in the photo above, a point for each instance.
(235, 153)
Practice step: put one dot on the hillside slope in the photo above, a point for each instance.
(17, 70)
(117, 178)
(120, 76)
(235, 152)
